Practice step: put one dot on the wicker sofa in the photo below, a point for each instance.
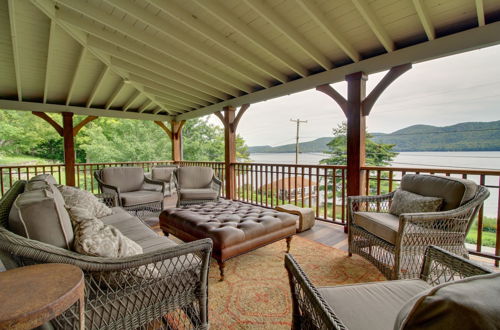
(451, 293)
(396, 243)
(167, 283)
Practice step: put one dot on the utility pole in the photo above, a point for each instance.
(298, 121)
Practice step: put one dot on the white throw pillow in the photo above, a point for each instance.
(74, 197)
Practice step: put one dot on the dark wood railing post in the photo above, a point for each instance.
(69, 148)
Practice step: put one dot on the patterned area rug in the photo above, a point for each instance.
(255, 293)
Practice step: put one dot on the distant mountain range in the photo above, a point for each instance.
(470, 136)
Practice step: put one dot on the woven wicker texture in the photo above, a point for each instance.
(417, 231)
(126, 293)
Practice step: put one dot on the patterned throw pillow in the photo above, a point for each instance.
(74, 197)
(407, 202)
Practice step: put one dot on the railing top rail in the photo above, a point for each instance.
(339, 167)
(25, 166)
(196, 161)
(131, 163)
(431, 170)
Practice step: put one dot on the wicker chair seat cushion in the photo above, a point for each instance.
(383, 225)
(45, 178)
(190, 177)
(408, 202)
(470, 303)
(124, 178)
(371, 305)
(138, 197)
(194, 194)
(453, 191)
(162, 173)
(75, 197)
(41, 215)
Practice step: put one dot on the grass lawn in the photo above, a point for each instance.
(23, 160)
(489, 238)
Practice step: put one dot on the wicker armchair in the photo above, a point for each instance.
(196, 184)
(165, 174)
(167, 287)
(133, 190)
(401, 255)
(336, 307)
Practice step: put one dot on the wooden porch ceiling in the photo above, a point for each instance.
(175, 60)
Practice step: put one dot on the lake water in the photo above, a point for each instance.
(480, 160)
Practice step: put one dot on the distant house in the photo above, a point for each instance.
(289, 187)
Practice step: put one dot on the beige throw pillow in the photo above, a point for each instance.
(74, 197)
(407, 202)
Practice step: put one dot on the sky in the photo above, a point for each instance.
(441, 92)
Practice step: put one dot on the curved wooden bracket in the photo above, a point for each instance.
(177, 128)
(84, 122)
(236, 121)
(234, 124)
(388, 79)
(221, 117)
(165, 128)
(49, 120)
(330, 91)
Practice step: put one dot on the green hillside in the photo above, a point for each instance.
(471, 136)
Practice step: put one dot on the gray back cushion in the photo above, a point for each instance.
(162, 173)
(125, 178)
(471, 303)
(192, 177)
(41, 215)
(453, 191)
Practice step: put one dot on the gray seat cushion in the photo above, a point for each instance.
(140, 197)
(130, 226)
(383, 225)
(453, 191)
(190, 177)
(192, 194)
(371, 305)
(471, 303)
(125, 178)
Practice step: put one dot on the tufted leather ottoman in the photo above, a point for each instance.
(235, 228)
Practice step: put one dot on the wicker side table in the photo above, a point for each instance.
(306, 215)
(36, 294)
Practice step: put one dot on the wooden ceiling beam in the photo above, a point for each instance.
(164, 28)
(48, 64)
(130, 57)
(60, 108)
(480, 13)
(193, 23)
(48, 8)
(145, 105)
(15, 49)
(74, 80)
(175, 94)
(97, 86)
(257, 39)
(326, 25)
(131, 100)
(168, 96)
(425, 19)
(152, 75)
(266, 11)
(172, 105)
(374, 23)
(115, 94)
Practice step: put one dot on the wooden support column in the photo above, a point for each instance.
(67, 132)
(230, 121)
(176, 129)
(69, 148)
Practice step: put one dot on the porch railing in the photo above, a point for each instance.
(320, 187)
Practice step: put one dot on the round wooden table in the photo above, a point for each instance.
(33, 295)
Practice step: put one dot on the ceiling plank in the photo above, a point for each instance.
(374, 23)
(131, 100)
(74, 80)
(425, 19)
(480, 12)
(444, 46)
(59, 108)
(163, 27)
(130, 57)
(257, 39)
(145, 105)
(48, 8)
(15, 49)
(183, 16)
(169, 96)
(97, 86)
(115, 94)
(264, 10)
(48, 65)
(326, 25)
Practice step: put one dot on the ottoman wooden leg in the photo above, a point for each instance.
(221, 269)
(288, 242)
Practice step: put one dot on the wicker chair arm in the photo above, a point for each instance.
(370, 199)
(442, 266)
(104, 185)
(156, 183)
(216, 184)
